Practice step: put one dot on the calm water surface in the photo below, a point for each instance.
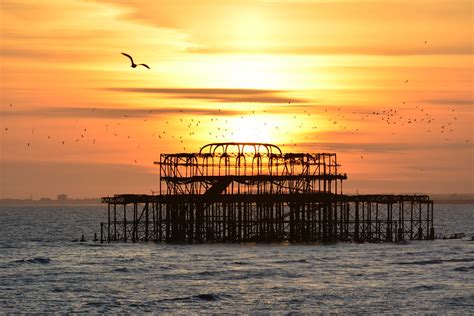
(42, 271)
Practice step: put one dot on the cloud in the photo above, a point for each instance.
(98, 112)
(218, 94)
(337, 50)
(383, 147)
(382, 28)
(300, 110)
(451, 101)
(23, 53)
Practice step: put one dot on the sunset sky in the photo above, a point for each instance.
(387, 85)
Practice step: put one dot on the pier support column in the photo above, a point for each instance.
(389, 236)
(432, 231)
(125, 222)
(146, 222)
(108, 223)
(356, 222)
(400, 234)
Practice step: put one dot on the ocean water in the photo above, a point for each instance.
(42, 271)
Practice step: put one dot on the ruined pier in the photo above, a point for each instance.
(252, 192)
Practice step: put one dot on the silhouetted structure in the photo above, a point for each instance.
(252, 192)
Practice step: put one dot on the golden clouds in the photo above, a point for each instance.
(255, 64)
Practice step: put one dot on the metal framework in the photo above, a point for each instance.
(252, 192)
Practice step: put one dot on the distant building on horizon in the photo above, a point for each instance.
(62, 197)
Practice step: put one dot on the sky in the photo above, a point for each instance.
(387, 85)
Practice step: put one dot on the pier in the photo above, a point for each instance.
(253, 192)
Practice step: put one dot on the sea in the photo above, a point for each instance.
(43, 271)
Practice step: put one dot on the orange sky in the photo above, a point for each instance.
(226, 71)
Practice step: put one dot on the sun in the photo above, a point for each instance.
(250, 129)
(274, 129)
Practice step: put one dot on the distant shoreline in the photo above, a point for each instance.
(95, 202)
(70, 202)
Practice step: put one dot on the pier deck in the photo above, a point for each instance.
(264, 218)
(252, 192)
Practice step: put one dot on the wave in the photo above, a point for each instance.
(422, 262)
(131, 270)
(8, 246)
(460, 260)
(208, 273)
(208, 297)
(37, 260)
(242, 263)
(128, 259)
(436, 261)
(428, 287)
(256, 274)
(463, 269)
(291, 261)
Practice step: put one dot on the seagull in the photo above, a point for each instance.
(133, 64)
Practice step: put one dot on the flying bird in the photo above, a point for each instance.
(133, 64)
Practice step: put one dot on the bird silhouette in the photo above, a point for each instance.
(133, 64)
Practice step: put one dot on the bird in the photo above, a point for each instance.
(133, 64)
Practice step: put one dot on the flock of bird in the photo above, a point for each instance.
(218, 128)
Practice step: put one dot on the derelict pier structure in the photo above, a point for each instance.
(253, 192)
